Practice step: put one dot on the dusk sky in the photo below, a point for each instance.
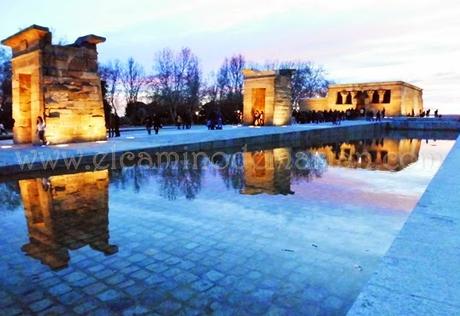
(355, 40)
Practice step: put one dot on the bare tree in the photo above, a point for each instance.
(5, 88)
(110, 74)
(309, 80)
(230, 78)
(132, 79)
(178, 80)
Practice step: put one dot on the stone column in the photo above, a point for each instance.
(369, 96)
(354, 99)
(381, 95)
(344, 95)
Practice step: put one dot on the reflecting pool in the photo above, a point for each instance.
(268, 229)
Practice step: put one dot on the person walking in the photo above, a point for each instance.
(148, 124)
(156, 124)
(41, 127)
(383, 113)
(261, 118)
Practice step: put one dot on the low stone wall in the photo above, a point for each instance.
(419, 274)
(282, 136)
(445, 124)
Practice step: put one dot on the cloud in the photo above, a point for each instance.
(355, 40)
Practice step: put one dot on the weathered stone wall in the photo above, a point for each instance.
(411, 99)
(283, 100)
(72, 94)
(27, 96)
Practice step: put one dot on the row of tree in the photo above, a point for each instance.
(5, 89)
(176, 86)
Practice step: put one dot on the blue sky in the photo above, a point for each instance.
(355, 40)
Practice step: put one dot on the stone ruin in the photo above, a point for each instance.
(270, 92)
(59, 83)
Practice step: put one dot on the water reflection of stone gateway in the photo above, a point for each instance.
(65, 213)
(267, 171)
(59, 83)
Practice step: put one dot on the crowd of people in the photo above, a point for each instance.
(215, 120)
(336, 116)
(424, 113)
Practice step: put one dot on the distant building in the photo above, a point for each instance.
(397, 97)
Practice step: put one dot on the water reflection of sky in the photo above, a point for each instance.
(326, 237)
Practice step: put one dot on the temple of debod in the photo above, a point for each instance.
(65, 213)
(59, 83)
(398, 98)
(268, 92)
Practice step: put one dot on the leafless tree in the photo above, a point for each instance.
(5, 88)
(309, 80)
(178, 80)
(110, 74)
(132, 78)
(230, 78)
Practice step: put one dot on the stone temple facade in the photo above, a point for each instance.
(397, 97)
(270, 92)
(59, 83)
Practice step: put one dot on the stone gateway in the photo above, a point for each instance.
(60, 84)
(268, 92)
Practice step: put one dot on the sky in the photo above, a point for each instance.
(354, 40)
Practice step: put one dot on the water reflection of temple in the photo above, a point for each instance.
(378, 154)
(267, 171)
(66, 212)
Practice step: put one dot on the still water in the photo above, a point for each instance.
(278, 230)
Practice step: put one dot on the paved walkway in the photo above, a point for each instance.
(12, 155)
(420, 274)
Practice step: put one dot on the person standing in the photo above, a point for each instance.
(3, 129)
(179, 121)
(383, 113)
(261, 118)
(41, 127)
